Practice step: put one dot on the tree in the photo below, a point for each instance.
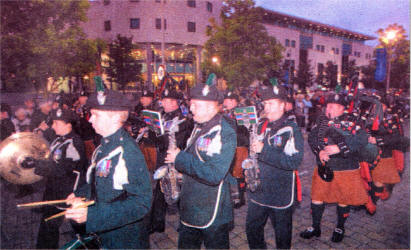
(305, 76)
(37, 38)
(241, 46)
(331, 71)
(123, 67)
(348, 71)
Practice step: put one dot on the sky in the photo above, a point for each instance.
(362, 16)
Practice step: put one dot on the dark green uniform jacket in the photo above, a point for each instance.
(119, 175)
(278, 180)
(349, 144)
(205, 195)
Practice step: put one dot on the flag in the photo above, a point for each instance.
(380, 71)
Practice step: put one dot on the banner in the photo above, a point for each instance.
(381, 69)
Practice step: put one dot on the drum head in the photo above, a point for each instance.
(14, 149)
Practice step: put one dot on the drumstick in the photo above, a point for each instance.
(41, 203)
(86, 204)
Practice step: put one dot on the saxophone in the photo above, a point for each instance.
(170, 178)
(250, 165)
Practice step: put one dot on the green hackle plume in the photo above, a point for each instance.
(274, 81)
(211, 80)
(99, 84)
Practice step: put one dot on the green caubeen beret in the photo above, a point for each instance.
(275, 91)
(207, 91)
(107, 99)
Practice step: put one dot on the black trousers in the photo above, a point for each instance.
(281, 220)
(213, 237)
(48, 236)
(157, 217)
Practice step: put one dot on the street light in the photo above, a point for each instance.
(215, 60)
(389, 37)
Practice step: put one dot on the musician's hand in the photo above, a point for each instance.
(171, 155)
(43, 126)
(72, 198)
(257, 147)
(332, 149)
(324, 157)
(372, 140)
(78, 212)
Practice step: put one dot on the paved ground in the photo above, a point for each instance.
(389, 228)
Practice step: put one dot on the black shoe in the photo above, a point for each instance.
(338, 235)
(239, 204)
(158, 229)
(310, 232)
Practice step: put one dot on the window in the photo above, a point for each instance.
(191, 3)
(135, 23)
(165, 24)
(337, 51)
(322, 48)
(158, 1)
(158, 23)
(318, 47)
(293, 43)
(106, 2)
(191, 27)
(209, 7)
(287, 43)
(107, 25)
(135, 1)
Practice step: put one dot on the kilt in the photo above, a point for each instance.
(150, 155)
(386, 172)
(399, 160)
(241, 153)
(346, 188)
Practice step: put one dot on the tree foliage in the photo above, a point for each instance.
(123, 67)
(331, 73)
(42, 39)
(305, 76)
(244, 50)
(348, 71)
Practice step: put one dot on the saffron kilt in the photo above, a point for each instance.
(346, 188)
(241, 153)
(386, 172)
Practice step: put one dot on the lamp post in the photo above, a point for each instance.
(389, 37)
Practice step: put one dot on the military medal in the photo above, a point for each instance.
(103, 168)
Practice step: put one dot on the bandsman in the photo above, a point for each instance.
(279, 156)
(205, 203)
(117, 179)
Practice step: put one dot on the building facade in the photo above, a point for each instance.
(316, 43)
(178, 29)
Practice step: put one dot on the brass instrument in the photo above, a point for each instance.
(15, 149)
(170, 178)
(250, 165)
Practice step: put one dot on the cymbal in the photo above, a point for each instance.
(14, 149)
